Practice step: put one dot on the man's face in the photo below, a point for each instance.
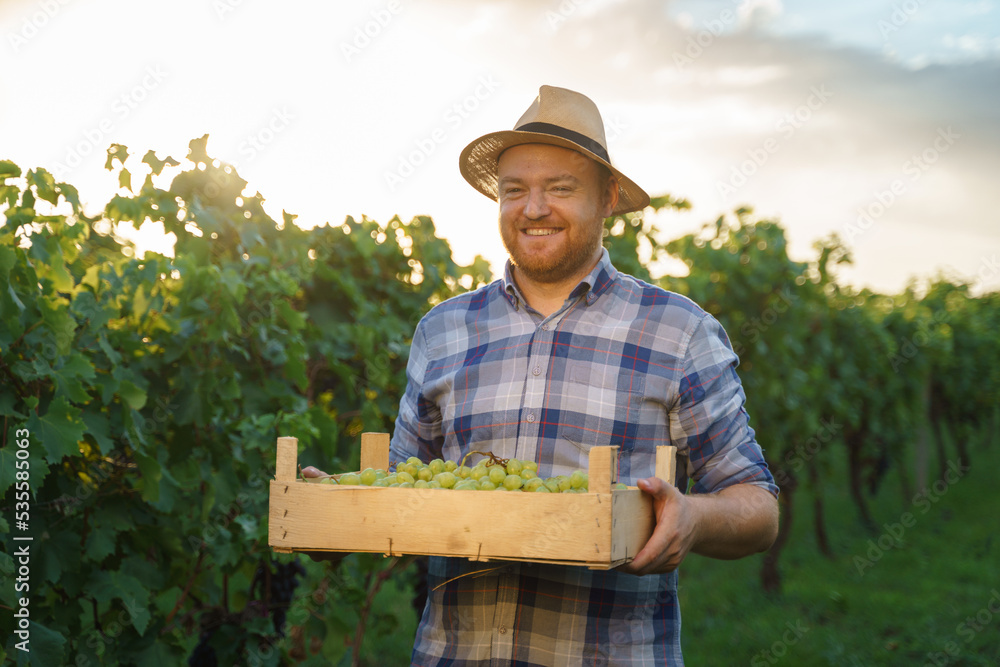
(552, 208)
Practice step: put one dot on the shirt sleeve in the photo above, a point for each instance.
(709, 419)
(418, 424)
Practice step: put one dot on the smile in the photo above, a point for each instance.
(536, 231)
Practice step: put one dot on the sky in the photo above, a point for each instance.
(876, 120)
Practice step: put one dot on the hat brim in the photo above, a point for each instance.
(478, 164)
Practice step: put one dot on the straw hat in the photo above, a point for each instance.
(559, 117)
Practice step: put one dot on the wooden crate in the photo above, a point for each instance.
(601, 529)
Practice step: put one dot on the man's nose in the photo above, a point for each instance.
(537, 205)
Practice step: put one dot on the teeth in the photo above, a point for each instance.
(540, 232)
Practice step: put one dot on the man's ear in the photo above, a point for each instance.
(610, 196)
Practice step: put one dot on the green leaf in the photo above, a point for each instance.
(125, 179)
(48, 647)
(133, 396)
(44, 185)
(67, 377)
(156, 164)
(140, 302)
(100, 543)
(197, 150)
(97, 427)
(9, 169)
(116, 152)
(51, 560)
(108, 586)
(8, 260)
(70, 194)
(150, 474)
(59, 430)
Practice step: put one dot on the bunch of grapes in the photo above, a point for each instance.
(203, 654)
(284, 581)
(492, 474)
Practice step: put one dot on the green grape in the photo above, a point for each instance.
(564, 483)
(379, 473)
(368, 476)
(543, 489)
(436, 466)
(527, 474)
(466, 485)
(513, 482)
(576, 479)
(434, 484)
(406, 485)
(462, 472)
(380, 483)
(414, 460)
(390, 479)
(410, 468)
(421, 484)
(534, 484)
(531, 465)
(350, 479)
(446, 480)
(328, 480)
(426, 473)
(478, 472)
(514, 467)
(497, 475)
(621, 486)
(404, 476)
(449, 466)
(486, 484)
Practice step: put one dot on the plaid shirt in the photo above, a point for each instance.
(621, 363)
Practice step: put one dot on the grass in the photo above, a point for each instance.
(923, 589)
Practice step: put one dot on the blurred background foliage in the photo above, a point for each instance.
(154, 387)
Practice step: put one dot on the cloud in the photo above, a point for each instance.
(801, 126)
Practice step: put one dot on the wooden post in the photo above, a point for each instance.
(287, 462)
(602, 468)
(375, 451)
(666, 461)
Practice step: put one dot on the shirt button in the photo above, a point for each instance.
(530, 417)
(545, 326)
(536, 370)
(503, 630)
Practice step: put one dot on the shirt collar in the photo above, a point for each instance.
(593, 285)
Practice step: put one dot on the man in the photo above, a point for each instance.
(562, 354)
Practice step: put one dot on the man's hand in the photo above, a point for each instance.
(326, 556)
(738, 521)
(674, 534)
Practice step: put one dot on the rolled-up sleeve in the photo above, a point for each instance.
(710, 421)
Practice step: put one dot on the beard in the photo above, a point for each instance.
(574, 258)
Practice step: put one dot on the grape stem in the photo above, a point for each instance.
(494, 459)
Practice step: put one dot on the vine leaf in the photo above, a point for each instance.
(59, 430)
(132, 593)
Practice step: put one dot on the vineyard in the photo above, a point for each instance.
(142, 396)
